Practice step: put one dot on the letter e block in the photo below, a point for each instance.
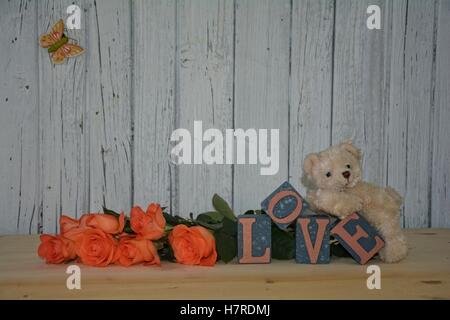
(312, 240)
(284, 205)
(358, 237)
(254, 238)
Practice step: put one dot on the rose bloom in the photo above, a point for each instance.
(150, 224)
(72, 228)
(107, 223)
(96, 248)
(56, 249)
(193, 246)
(133, 251)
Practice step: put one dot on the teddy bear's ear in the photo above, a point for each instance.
(310, 161)
(348, 146)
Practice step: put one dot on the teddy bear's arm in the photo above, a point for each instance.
(339, 204)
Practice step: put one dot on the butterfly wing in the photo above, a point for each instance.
(46, 40)
(66, 51)
(72, 50)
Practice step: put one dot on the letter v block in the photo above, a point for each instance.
(312, 238)
(254, 238)
(284, 205)
(358, 237)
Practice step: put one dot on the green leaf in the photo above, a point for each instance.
(229, 227)
(213, 215)
(222, 207)
(226, 246)
(283, 244)
(166, 253)
(110, 212)
(249, 212)
(176, 220)
(205, 220)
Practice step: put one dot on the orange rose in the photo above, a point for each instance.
(56, 249)
(148, 225)
(133, 251)
(193, 246)
(96, 248)
(107, 223)
(67, 223)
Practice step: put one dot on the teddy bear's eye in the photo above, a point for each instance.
(328, 174)
(348, 166)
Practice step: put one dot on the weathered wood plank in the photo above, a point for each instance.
(359, 107)
(261, 90)
(440, 187)
(19, 196)
(62, 116)
(418, 73)
(205, 91)
(311, 83)
(153, 100)
(108, 107)
(397, 122)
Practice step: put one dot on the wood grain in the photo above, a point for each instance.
(153, 100)
(424, 274)
(62, 116)
(19, 110)
(419, 81)
(261, 91)
(108, 104)
(205, 93)
(311, 83)
(396, 121)
(440, 188)
(359, 85)
(95, 130)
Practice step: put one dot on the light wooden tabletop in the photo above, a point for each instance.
(425, 274)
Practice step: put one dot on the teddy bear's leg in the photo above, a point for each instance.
(396, 247)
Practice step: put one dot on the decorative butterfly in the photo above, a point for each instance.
(58, 44)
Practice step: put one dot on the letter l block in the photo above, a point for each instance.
(254, 238)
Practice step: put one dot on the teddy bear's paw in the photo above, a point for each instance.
(395, 250)
(343, 209)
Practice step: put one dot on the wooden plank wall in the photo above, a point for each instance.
(95, 131)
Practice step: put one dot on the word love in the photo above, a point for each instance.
(286, 206)
(222, 150)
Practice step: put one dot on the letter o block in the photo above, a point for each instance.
(284, 205)
(254, 238)
(358, 237)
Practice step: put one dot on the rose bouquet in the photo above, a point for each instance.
(147, 237)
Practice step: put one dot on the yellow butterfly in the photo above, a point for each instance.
(57, 43)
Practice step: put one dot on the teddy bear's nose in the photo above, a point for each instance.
(346, 174)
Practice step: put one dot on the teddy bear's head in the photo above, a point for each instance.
(336, 168)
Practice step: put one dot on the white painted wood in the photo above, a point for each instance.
(359, 85)
(96, 129)
(440, 182)
(62, 116)
(418, 97)
(108, 106)
(397, 122)
(261, 90)
(153, 100)
(311, 83)
(205, 93)
(19, 196)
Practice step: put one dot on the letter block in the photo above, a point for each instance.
(358, 237)
(312, 240)
(254, 238)
(284, 205)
